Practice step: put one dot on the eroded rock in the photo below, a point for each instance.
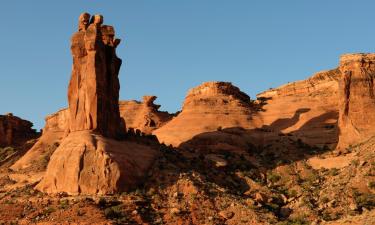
(93, 92)
(209, 107)
(357, 99)
(14, 130)
(87, 163)
(144, 116)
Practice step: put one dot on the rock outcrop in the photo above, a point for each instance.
(357, 99)
(209, 107)
(94, 86)
(86, 157)
(57, 122)
(144, 116)
(87, 163)
(306, 109)
(14, 130)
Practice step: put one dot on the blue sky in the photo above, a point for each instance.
(170, 46)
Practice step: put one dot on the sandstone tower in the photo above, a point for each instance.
(93, 92)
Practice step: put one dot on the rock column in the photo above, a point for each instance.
(93, 91)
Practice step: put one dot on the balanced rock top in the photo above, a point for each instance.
(94, 86)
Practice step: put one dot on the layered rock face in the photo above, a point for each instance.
(144, 116)
(88, 159)
(209, 107)
(308, 109)
(357, 100)
(93, 92)
(14, 130)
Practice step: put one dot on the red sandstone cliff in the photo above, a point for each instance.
(209, 107)
(14, 130)
(357, 99)
(308, 109)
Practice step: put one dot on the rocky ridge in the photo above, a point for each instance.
(208, 107)
(14, 130)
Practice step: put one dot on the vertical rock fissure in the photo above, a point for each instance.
(347, 83)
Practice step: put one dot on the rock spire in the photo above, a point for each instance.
(93, 92)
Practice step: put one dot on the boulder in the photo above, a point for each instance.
(88, 163)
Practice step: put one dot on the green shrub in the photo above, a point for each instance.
(64, 204)
(325, 199)
(113, 212)
(47, 211)
(355, 162)
(102, 202)
(292, 193)
(273, 177)
(334, 172)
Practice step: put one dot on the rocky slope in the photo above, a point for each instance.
(36, 159)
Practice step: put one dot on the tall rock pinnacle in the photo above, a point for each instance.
(94, 86)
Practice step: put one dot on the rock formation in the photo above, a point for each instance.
(357, 100)
(209, 107)
(14, 130)
(88, 163)
(144, 116)
(53, 133)
(308, 109)
(86, 158)
(93, 92)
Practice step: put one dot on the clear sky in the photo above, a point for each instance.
(170, 46)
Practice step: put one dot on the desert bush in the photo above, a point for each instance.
(273, 177)
(325, 199)
(292, 193)
(355, 162)
(113, 212)
(4, 152)
(334, 172)
(365, 200)
(295, 221)
(47, 211)
(64, 204)
(102, 202)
